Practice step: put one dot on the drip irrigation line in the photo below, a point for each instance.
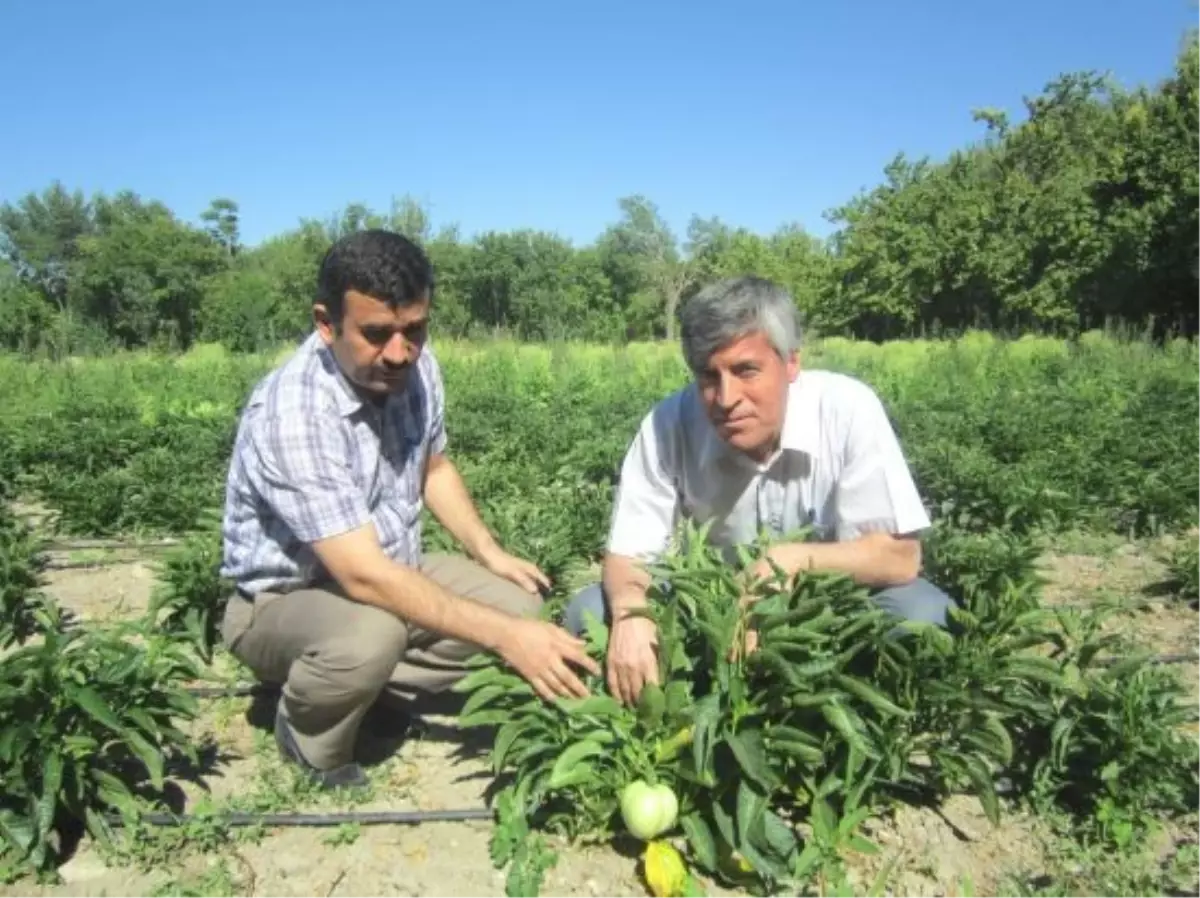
(104, 545)
(235, 691)
(1176, 658)
(240, 818)
(90, 565)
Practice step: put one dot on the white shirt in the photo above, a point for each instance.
(839, 470)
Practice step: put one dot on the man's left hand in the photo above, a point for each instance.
(517, 570)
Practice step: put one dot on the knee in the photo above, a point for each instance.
(512, 599)
(589, 600)
(525, 605)
(918, 601)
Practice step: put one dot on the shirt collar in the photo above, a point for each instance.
(800, 426)
(348, 399)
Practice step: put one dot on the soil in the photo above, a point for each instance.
(1129, 574)
(105, 592)
(951, 850)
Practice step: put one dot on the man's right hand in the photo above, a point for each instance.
(632, 657)
(541, 653)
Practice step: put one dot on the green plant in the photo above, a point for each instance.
(837, 711)
(91, 723)
(1121, 749)
(23, 606)
(821, 720)
(1183, 569)
(191, 595)
(973, 567)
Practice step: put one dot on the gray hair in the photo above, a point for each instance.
(735, 307)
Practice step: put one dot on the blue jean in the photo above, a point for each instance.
(919, 600)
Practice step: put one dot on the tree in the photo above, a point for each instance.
(641, 252)
(143, 273)
(40, 237)
(221, 216)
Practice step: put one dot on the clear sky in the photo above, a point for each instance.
(531, 114)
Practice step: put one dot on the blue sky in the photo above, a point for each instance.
(531, 114)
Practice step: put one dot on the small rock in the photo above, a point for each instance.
(81, 868)
(916, 884)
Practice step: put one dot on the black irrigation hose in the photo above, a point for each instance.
(239, 818)
(1177, 658)
(232, 691)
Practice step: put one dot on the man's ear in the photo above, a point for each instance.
(793, 365)
(324, 323)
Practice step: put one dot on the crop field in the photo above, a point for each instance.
(1045, 744)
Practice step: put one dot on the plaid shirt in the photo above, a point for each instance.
(312, 460)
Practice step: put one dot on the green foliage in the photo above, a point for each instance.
(1124, 748)
(23, 608)
(973, 566)
(143, 274)
(91, 713)
(107, 469)
(1083, 212)
(25, 316)
(91, 723)
(1183, 565)
(1005, 438)
(139, 445)
(837, 711)
(190, 598)
(10, 463)
(776, 757)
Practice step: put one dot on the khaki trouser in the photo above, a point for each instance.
(334, 657)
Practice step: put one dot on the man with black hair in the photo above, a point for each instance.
(338, 451)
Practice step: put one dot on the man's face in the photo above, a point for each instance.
(744, 388)
(376, 346)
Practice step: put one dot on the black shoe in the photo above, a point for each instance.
(388, 722)
(347, 776)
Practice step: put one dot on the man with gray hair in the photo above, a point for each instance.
(751, 444)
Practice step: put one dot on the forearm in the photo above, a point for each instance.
(625, 584)
(877, 561)
(447, 497)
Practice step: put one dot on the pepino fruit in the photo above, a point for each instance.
(648, 811)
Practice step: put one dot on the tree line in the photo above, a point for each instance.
(1081, 214)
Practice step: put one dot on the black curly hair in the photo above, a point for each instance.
(381, 264)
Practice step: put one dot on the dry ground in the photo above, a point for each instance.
(948, 851)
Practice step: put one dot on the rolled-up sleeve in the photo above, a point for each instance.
(304, 474)
(875, 492)
(646, 505)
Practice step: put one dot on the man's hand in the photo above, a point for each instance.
(541, 653)
(632, 657)
(446, 496)
(519, 571)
